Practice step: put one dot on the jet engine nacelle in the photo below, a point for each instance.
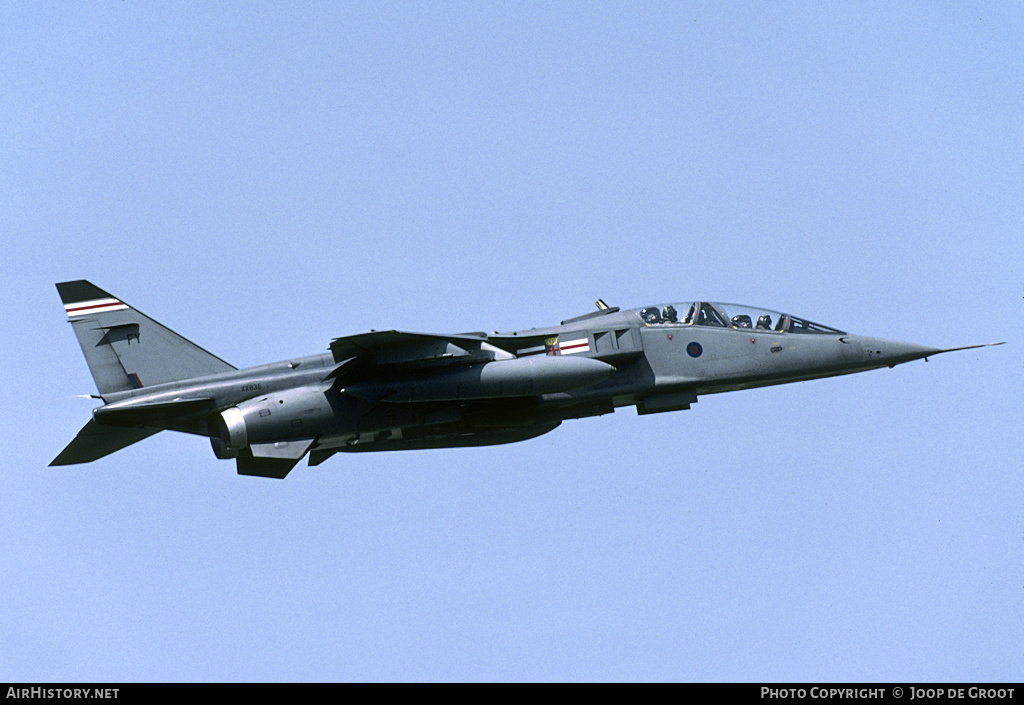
(281, 416)
(230, 435)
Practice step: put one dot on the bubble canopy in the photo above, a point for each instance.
(730, 316)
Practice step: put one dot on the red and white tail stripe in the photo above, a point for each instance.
(83, 308)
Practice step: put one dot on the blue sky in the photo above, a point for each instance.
(263, 179)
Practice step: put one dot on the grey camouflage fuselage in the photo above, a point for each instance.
(393, 390)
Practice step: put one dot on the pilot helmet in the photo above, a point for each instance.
(650, 315)
(669, 313)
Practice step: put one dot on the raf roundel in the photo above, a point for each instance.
(694, 350)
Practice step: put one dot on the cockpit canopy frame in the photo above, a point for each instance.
(730, 316)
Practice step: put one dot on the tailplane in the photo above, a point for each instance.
(126, 349)
(95, 441)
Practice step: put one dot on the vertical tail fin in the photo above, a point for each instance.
(127, 350)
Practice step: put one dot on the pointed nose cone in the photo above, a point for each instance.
(894, 352)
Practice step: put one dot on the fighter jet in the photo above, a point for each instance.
(397, 390)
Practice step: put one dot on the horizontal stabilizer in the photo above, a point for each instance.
(95, 441)
(153, 414)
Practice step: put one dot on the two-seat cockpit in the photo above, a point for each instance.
(729, 316)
